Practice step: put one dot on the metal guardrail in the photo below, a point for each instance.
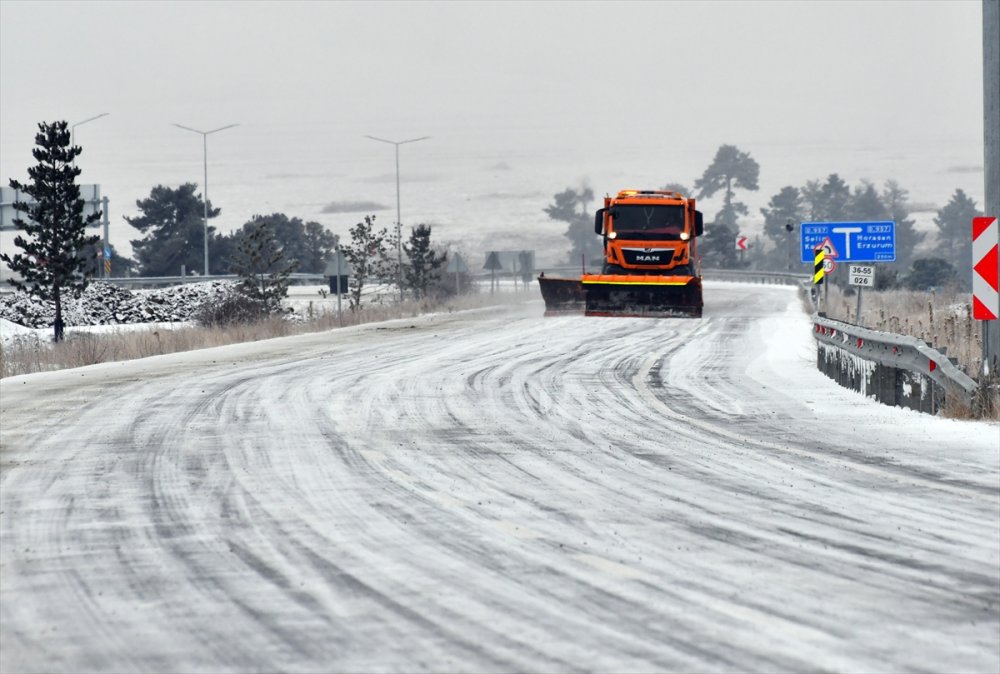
(712, 274)
(161, 281)
(898, 351)
(164, 281)
(755, 276)
(887, 349)
(745, 275)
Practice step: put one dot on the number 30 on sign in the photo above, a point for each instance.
(862, 275)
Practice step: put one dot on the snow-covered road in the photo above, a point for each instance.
(495, 491)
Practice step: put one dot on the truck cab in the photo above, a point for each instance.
(649, 232)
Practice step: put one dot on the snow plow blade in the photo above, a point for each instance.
(642, 295)
(562, 295)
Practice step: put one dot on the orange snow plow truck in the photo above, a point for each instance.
(650, 262)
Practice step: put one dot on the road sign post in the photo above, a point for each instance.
(457, 265)
(340, 314)
(848, 242)
(742, 244)
(819, 265)
(819, 272)
(991, 142)
(492, 264)
(862, 276)
(337, 271)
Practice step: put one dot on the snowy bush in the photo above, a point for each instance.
(232, 308)
(106, 304)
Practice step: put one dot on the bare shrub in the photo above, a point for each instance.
(142, 343)
(233, 308)
(987, 399)
(83, 348)
(23, 355)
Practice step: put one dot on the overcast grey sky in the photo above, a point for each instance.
(789, 69)
(311, 78)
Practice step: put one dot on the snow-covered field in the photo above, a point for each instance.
(491, 491)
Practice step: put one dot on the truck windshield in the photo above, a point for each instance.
(661, 223)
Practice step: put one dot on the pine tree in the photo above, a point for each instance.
(173, 222)
(954, 223)
(424, 262)
(718, 247)
(307, 243)
(571, 206)
(865, 205)
(908, 238)
(930, 272)
(53, 260)
(785, 208)
(828, 201)
(730, 168)
(367, 253)
(811, 201)
(262, 268)
(317, 245)
(834, 199)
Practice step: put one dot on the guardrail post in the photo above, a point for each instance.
(889, 384)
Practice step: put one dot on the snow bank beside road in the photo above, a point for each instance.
(10, 332)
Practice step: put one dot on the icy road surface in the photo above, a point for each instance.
(495, 491)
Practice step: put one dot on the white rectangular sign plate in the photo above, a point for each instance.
(862, 275)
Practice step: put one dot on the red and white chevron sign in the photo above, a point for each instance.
(985, 269)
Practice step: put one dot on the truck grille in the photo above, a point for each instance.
(648, 256)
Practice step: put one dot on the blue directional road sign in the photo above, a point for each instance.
(850, 241)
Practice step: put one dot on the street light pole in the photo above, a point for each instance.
(789, 227)
(72, 129)
(991, 156)
(204, 138)
(399, 225)
(106, 245)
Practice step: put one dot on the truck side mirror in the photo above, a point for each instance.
(599, 221)
(699, 224)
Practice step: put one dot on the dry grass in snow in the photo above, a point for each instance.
(28, 353)
(943, 319)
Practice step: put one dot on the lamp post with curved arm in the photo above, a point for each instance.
(106, 245)
(72, 129)
(204, 137)
(399, 226)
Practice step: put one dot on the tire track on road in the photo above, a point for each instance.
(497, 493)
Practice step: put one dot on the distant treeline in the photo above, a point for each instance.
(821, 200)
